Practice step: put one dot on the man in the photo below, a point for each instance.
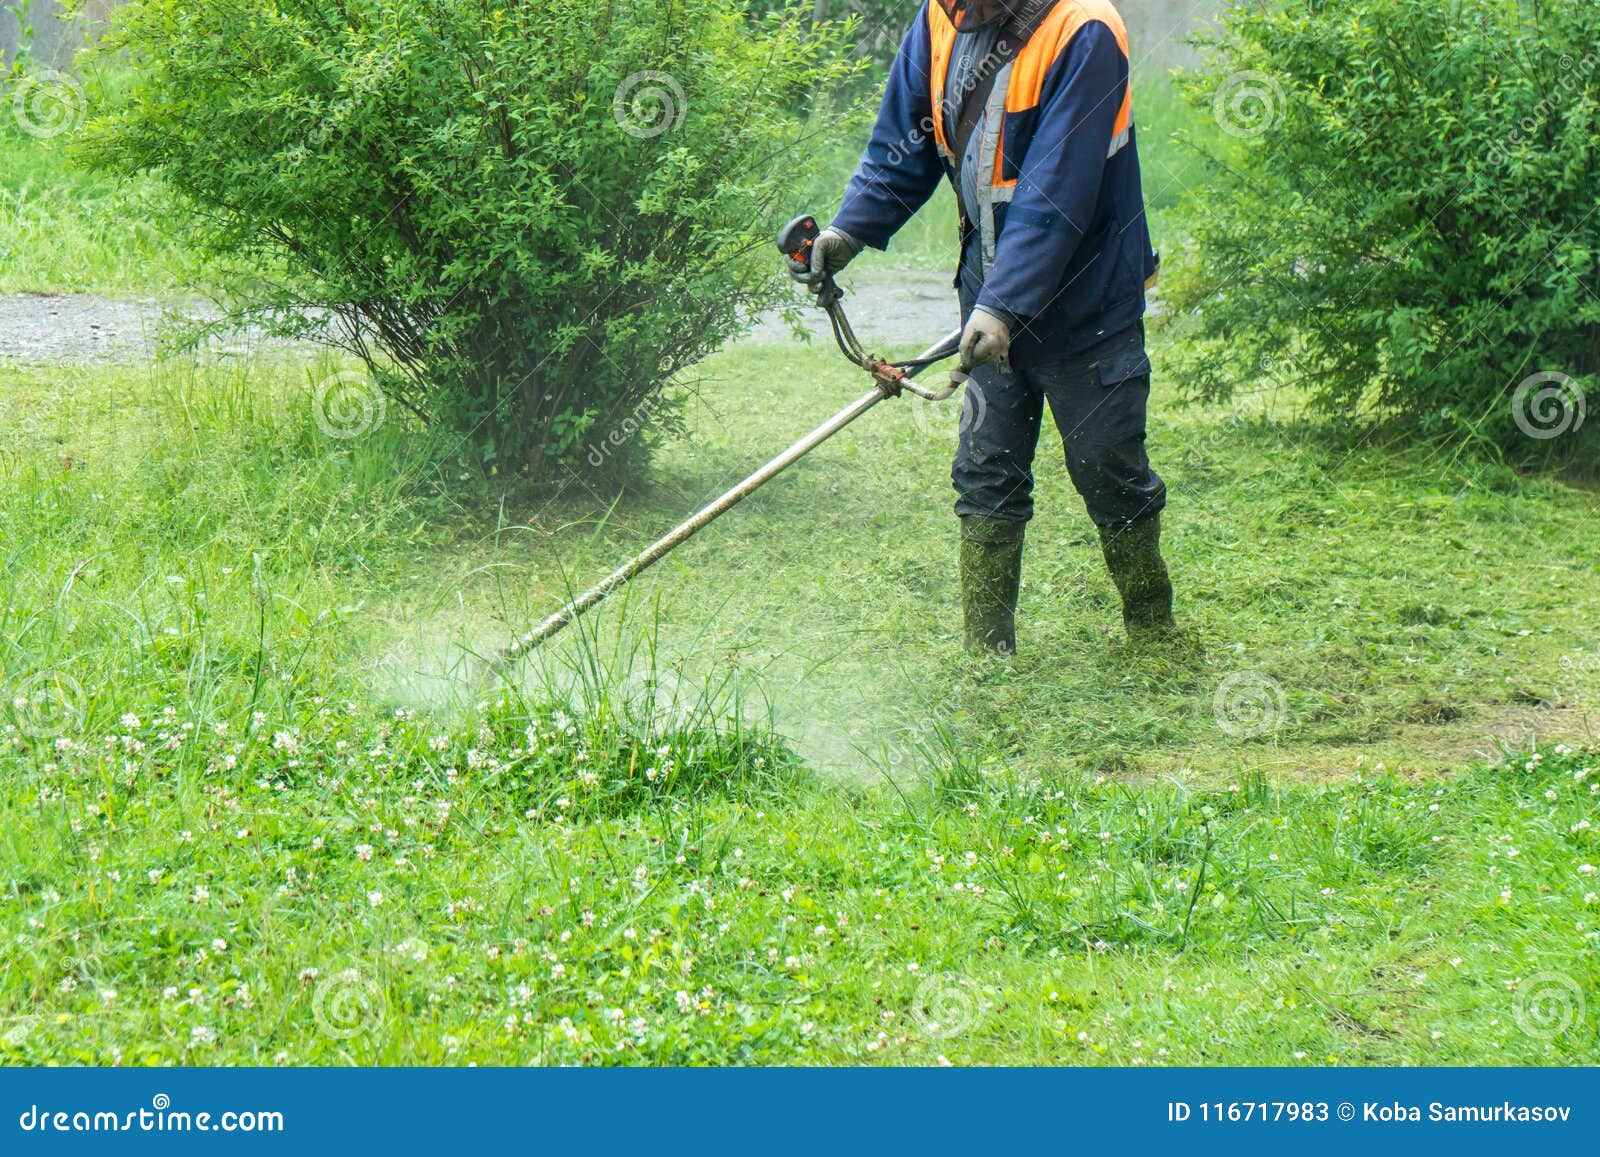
(1027, 108)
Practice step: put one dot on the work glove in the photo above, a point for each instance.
(830, 253)
(986, 339)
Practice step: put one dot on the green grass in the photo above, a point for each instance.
(65, 231)
(1408, 609)
(237, 828)
(259, 805)
(364, 890)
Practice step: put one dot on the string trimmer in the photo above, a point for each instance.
(889, 380)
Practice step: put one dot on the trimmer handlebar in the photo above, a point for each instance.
(795, 242)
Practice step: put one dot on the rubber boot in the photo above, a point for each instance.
(991, 577)
(1133, 555)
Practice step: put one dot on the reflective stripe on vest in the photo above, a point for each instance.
(996, 190)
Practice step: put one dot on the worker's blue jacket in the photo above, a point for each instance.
(1061, 246)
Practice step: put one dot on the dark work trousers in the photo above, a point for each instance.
(1098, 399)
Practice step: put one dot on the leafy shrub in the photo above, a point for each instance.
(1409, 226)
(525, 218)
(880, 23)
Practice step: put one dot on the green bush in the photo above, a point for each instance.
(880, 23)
(525, 218)
(1408, 226)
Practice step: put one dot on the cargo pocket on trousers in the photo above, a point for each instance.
(1123, 364)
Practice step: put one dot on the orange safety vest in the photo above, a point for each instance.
(1018, 88)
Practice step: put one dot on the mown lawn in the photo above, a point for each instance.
(1343, 603)
(254, 811)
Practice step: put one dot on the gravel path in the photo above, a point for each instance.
(75, 327)
(897, 309)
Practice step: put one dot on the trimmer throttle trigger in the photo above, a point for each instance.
(796, 240)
